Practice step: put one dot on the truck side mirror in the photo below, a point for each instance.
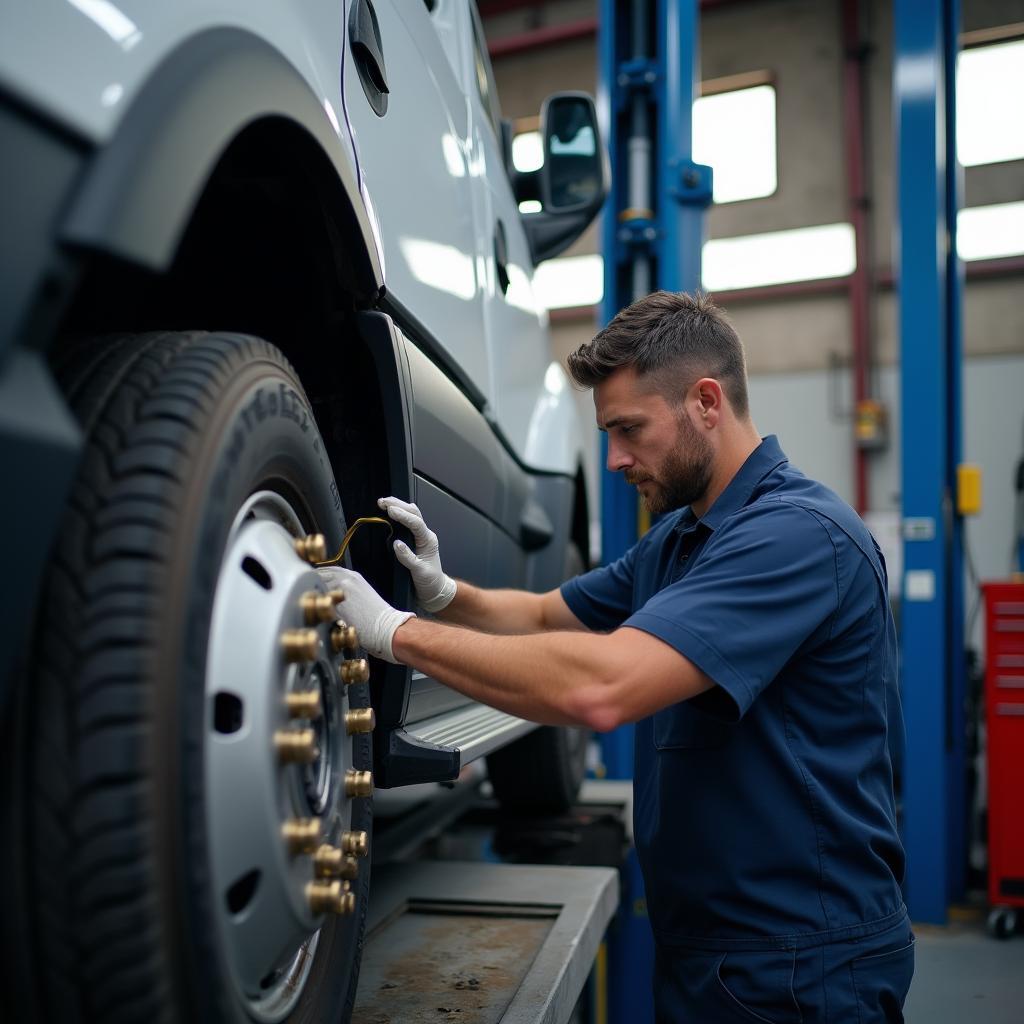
(572, 183)
(572, 177)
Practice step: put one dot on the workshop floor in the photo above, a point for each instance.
(964, 976)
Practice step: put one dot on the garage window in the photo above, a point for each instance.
(734, 132)
(989, 126)
(990, 232)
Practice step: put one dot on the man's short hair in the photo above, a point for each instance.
(672, 338)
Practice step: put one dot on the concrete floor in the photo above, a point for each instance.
(964, 976)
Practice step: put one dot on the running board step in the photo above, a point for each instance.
(473, 731)
(436, 749)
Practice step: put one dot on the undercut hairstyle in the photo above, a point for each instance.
(672, 339)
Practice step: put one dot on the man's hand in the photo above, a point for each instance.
(374, 619)
(434, 590)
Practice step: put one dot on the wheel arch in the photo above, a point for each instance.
(227, 200)
(138, 195)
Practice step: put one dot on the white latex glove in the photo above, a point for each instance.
(374, 619)
(434, 590)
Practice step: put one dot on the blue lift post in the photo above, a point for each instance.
(930, 285)
(652, 234)
(652, 229)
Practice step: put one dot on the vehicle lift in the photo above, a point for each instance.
(484, 916)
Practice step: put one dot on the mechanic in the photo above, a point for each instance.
(748, 635)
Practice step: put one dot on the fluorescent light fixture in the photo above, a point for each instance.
(570, 281)
(528, 151)
(989, 232)
(989, 84)
(734, 132)
(530, 206)
(802, 254)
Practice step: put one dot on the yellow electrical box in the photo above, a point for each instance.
(968, 490)
(871, 425)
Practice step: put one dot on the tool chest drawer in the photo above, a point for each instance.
(1004, 719)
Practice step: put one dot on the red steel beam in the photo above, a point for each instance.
(534, 39)
(550, 35)
(490, 8)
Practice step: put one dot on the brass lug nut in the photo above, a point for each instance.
(317, 608)
(355, 671)
(344, 638)
(304, 705)
(330, 898)
(300, 644)
(312, 549)
(358, 783)
(360, 720)
(296, 746)
(355, 843)
(327, 861)
(302, 835)
(330, 862)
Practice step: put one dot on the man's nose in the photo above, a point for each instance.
(618, 459)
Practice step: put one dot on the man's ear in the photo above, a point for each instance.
(710, 400)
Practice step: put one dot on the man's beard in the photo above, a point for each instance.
(683, 477)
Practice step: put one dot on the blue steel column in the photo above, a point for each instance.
(666, 239)
(684, 188)
(658, 247)
(618, 499)
(932, 622)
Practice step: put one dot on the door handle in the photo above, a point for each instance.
(501, 256)
(368, 51)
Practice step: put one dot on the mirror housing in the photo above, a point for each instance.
(573, 181)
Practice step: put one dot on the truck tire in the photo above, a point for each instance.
(542, 771)
(162, 885)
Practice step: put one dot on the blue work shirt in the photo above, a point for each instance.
(764, 814)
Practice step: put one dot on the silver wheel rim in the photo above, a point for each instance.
(266, 927)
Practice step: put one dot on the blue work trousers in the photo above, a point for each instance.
(861, 981)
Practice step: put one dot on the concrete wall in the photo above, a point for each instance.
(793, 341)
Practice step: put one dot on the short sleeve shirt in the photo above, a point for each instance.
(764, 813)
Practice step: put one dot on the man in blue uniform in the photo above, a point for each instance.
(749, 636)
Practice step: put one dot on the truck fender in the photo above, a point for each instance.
(137, 196)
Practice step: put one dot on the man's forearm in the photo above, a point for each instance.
(495, 611)
(559, 678)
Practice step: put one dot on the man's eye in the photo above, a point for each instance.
(629, 429)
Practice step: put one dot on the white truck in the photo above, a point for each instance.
(263, 262)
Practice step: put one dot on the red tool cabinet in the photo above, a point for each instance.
(1004, 718)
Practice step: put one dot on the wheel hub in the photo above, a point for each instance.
(278, 757)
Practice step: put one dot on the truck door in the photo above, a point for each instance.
(515, 326)
(407, 113)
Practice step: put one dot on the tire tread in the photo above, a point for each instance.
(141, 400)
